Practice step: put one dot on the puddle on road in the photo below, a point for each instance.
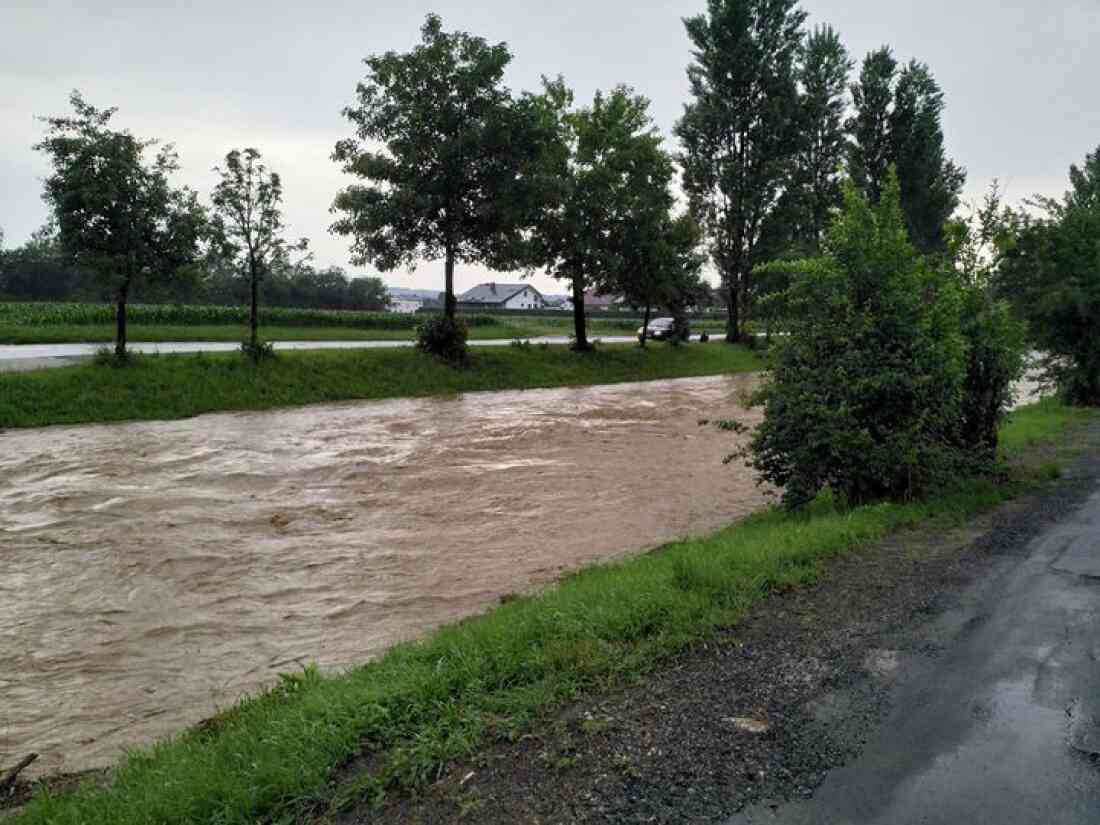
(154, 572)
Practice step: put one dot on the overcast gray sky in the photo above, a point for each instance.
(1020, 78)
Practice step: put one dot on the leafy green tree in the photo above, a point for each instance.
(660, 268)
(739, 132)
(116, 213)
(248, 226)
(897, 121)
(867, 390)
(369, 293)
(996, 339)
(445, 154)
(613, 178)
(1052, 276)
(871, 149)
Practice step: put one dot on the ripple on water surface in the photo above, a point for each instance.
(154, 572)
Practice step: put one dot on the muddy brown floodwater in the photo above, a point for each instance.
(151, 573)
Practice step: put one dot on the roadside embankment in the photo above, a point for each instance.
(179, 386)
(320, 743)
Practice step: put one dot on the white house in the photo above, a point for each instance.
(405, 305)
(501, 296)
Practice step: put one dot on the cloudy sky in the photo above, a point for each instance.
(1019, 76)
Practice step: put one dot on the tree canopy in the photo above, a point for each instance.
(445, 155)
(116, 213)
(613, 192)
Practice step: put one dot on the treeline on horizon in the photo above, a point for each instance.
(38, 271)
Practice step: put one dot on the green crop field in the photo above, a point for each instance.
(51, 314)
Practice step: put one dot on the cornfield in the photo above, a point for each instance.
(50, 314)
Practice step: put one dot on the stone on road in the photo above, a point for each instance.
(999, 728)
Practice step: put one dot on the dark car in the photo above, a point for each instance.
(660, 329)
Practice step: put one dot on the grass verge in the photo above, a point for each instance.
(505, 328)
(178, 386)
(425, 703)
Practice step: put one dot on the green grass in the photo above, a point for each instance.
(178, 386)
(428, 702)
(505, 328)
(104, 334)
(1040, 423)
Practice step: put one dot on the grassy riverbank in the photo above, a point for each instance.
(425, 703)
(105, 334)
(499, 328)
(178, 386)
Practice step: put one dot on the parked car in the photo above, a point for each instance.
(660, 329)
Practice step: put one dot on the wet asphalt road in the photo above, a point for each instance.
(1002, 727)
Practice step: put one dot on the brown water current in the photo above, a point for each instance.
(151, 573)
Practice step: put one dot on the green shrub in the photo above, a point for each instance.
(1052, 275)
(444, 337)
(995, 361)
(258, 351)
(866, 395)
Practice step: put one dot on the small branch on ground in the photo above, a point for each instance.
(8, 782)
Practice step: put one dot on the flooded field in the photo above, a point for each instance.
(151, 573)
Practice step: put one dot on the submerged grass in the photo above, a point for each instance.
(422, 704)
(178, 386)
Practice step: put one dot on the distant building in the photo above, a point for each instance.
(559, 303)
(405, 305)
(604, 303)
(501, 296)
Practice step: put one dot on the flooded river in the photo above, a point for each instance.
(151, 573)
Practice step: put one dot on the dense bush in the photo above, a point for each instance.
(443, 336)
(1052, 275)
(994, 362)
(867, 390)
(996, 339)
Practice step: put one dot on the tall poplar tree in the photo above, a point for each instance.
(930, 182)
(739, 132)
(897, 120)
(823, 76)
(870, 150)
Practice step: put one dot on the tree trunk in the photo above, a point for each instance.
(254, 316)
(733, 321)
(645, 325)
(449, 302)
(120, 320)
(578, 315)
